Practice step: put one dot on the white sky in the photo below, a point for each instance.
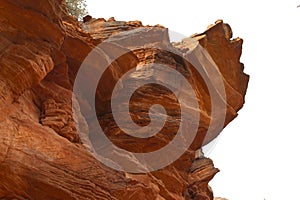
(258, 152)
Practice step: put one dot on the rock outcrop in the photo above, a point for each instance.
(43, 154)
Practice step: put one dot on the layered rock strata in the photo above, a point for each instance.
(42, 152)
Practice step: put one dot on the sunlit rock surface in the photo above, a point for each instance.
(41, 153)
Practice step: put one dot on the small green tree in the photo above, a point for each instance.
(77, 8)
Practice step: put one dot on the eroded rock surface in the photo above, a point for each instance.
(41, 153)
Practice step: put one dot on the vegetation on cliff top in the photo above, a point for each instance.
(77, 8)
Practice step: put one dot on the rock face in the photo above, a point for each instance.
(43, 156)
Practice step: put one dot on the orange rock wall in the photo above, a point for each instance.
(41, 153)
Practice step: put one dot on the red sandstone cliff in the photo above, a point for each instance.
(41, 153)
